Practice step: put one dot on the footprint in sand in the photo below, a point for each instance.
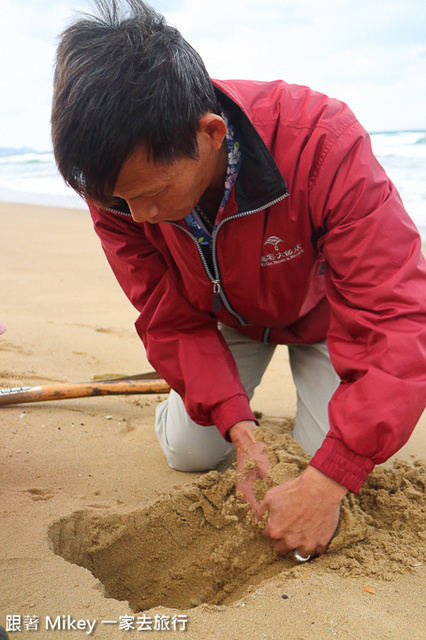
(39, 494)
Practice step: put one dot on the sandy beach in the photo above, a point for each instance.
(96, 529)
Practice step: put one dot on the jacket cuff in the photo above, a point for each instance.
(336, 461)
(230, 412)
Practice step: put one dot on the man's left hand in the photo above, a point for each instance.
(303, 513)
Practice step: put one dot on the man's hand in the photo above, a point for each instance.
(303, 513)
(252, 461)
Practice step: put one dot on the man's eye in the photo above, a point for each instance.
(152, 195)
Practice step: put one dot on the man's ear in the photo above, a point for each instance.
(214, 127)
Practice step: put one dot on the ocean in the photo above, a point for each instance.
(31, 176)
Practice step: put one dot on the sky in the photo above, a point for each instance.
(369, 53)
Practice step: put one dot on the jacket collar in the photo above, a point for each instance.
(259, 180)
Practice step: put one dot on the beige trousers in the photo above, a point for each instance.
(191, 447)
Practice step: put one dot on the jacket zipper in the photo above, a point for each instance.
(214, 279)
(218, 292)
(121, 213)
(215, 282)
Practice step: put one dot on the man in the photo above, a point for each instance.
(236, 216)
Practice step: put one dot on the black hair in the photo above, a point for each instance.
(124, 80)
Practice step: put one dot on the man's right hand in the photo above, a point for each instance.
(252, 460)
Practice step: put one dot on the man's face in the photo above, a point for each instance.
(157, 192)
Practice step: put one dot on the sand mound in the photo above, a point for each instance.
(198, 543)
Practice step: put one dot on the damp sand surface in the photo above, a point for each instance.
(96, 526)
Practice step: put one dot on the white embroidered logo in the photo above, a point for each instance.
(281, 254)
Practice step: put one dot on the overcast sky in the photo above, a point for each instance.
(369, 53)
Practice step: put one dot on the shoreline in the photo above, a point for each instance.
(73, 201)
(57, 201)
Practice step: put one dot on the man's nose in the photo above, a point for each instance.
(143, 212)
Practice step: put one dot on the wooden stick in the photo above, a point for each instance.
(139, 384)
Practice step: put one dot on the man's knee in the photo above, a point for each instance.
(188, 446)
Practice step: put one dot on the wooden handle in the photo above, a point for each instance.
(63, 391)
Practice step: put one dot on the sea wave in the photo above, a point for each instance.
(31, 176)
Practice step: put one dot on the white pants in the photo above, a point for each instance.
(191, 447)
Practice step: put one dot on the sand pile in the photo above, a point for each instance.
(199, 543)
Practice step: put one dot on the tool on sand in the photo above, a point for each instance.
(142, 383)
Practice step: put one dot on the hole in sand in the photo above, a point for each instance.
(198, 544)
(195, 545)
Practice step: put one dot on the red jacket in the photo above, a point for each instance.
(314, 243)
